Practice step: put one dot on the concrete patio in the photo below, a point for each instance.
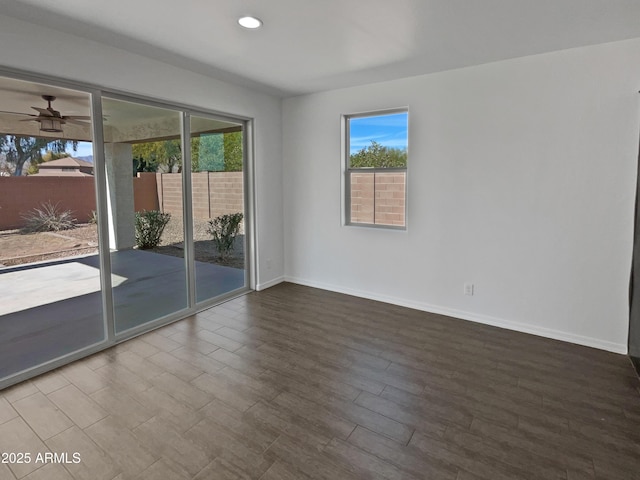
(55, 308)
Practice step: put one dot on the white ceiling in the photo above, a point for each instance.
(313, 45)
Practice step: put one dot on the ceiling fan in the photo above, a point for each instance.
(51, 120)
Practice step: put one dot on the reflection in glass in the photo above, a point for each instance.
(218, 206)
(143, 163)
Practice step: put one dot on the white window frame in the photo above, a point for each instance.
(347, 170)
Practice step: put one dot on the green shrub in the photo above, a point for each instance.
(149, 227)
(93, 219)
(224, 230)
(48, 218)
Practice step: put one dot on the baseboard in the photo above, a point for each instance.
(270, 283)
(470, 316)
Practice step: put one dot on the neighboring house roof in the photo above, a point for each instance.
(65, 167)
(66, 162)
(60, 173)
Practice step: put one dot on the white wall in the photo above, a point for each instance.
(40, 50)
(521, 180)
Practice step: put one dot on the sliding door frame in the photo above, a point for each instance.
(187, 204)
(97, 94)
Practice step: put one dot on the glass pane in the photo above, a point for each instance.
(362, 197)
(378, 198)
(143, 160)
(390, 198)
(218, 206)
(49, 269)
(378, 142)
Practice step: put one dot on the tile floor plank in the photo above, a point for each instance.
(78, 406)
(7, 412)
(17, 437)
(50, 471)
(94, 463)
(121, 445)
(45, 418)
(123, 406)
(404, 457)
(166, 442)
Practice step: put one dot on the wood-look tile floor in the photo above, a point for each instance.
(295, 383)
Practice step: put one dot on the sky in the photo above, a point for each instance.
(84, 149)
(388, 130)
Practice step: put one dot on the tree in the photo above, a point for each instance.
(379, 156)
(215, 152)
(164, 156)
(19, 149)
(233, 152)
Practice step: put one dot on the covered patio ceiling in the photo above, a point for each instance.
(123, 122)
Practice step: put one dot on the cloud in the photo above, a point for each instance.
(388, 130)
(392, 139)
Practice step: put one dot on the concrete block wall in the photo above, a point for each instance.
(214, 193)
(20, 195)
(200, 187)
(170, 192)
(145, 195)
(226, 193)
(378, 198)
(362, 197)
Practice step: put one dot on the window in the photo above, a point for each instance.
(376, 168)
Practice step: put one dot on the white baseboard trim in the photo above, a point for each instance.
(270, 283)
(470, 316)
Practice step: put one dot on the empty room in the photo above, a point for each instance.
(319, 240)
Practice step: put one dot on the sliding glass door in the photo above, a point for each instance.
(143, 163)
(163, 187)
(50, 276)
(217, 163)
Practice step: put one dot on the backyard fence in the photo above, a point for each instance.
(214, 193)
(378, 198)
(20, 195)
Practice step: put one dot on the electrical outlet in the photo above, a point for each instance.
(468, 288)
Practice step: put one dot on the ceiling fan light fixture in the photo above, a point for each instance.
(52, 125)
(250, 22)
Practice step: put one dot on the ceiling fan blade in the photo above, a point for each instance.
(17, 113)
(76, 117)
(43, 111)
(34, 119)
(76, 122)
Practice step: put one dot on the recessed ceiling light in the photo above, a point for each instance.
(250, 22)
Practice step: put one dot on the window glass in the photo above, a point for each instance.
(377, 150)
(51, 300)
